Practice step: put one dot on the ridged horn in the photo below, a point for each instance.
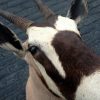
(18, 21)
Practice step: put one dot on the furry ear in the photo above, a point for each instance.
(9, 41)
(78, 10)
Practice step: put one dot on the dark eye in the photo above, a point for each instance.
(32, 49)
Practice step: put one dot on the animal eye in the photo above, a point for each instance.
(32, 49)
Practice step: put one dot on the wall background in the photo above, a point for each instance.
(13, 71)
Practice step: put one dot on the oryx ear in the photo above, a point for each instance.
(9, 41)
(78, 10)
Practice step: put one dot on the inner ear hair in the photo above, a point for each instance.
(9, 41)
(78, 10)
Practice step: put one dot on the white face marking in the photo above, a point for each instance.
(89, 88)
(66, 24)
(51, 84)
(42, 37)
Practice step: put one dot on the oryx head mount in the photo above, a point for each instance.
(53, 44)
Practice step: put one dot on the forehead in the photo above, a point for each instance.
(39, 35)
(43, 37)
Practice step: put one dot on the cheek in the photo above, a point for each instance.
(42, 59)
(48, 66)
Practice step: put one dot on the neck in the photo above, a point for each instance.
(77, 60)
(82, 59)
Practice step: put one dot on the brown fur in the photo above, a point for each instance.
(49, 23)
(76, 59)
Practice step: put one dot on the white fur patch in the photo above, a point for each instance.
(89, 88)
(50, 83)
(65, 23)
(42, 37)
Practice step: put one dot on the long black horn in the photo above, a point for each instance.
(18, 21)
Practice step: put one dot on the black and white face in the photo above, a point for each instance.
(49, 45)
(43, 42)
(42, 38)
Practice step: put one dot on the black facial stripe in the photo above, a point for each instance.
(50, 69)
(8, 36)
(43, 80)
